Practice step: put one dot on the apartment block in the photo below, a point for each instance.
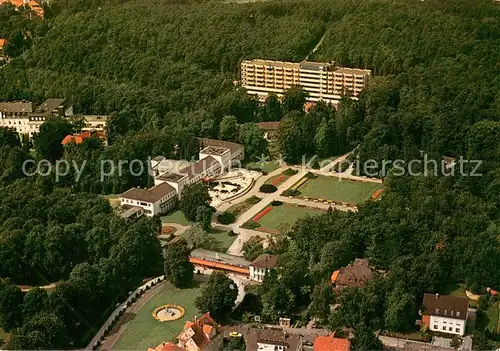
(24, 118)
(323, 81)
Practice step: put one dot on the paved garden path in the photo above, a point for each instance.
(179, 229)
(123, 305)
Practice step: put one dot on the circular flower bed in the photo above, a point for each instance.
(168, 312)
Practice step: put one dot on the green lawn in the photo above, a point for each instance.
(284, 215)
(4, 336)
(337, 189)
(225, 241)
(492, 314)
(144, 331)
(176, 217)
(265, 166)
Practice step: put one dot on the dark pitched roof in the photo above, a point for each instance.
(354, 275)
(265, 261)
(148, 195)
(16, 107)
(50, 105)
(446, 306)
(268, 125)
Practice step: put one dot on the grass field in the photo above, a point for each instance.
(4, 336)
(285, 214)
(144, 331)
(336, 189)
(176, 217)
(265, 166)
(225, 241)
(493, 318)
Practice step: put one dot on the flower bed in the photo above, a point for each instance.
(278, 180)
(377, 194)
(299, 183)
(262, 214)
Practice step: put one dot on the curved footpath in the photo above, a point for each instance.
(117, 310)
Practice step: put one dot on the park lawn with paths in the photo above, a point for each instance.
(225, 241)
(338, 189)
(286, 214)
(176, 217)
(145, 331)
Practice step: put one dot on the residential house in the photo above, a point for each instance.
(167, 346)
(356, 274)
(197, 334)
(331, 343)
(79, 138)
(445, 313)
(15, 115)
(154, 201)
(267, 339)
(95, 122)
(26, 119)
(35, 5)
(261, 265)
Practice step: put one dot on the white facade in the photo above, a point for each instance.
(257, 274)
(151, 209)
(19, 124)
(98, 123)
(447, 325)
(224, 158)
(322, 81)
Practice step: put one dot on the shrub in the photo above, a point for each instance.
(291, 192)
(226, 218)
(253, 200)
(315, 164)
(290, 172)
(231, 233)
(268, 188)
(264, 173)
(276, 203)
(341, 166)
(250, 225)
(310, 175)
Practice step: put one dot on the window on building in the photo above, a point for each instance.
(452, 313)
(450, 329)
(444, 322)
(444, 328)
(445, 312)
(437, 310)
(458, 314)
(457, 330)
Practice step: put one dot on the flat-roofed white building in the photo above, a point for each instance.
(321, 80)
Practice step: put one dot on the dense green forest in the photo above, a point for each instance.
(164, 70)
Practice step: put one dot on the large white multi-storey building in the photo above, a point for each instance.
(322, 81)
